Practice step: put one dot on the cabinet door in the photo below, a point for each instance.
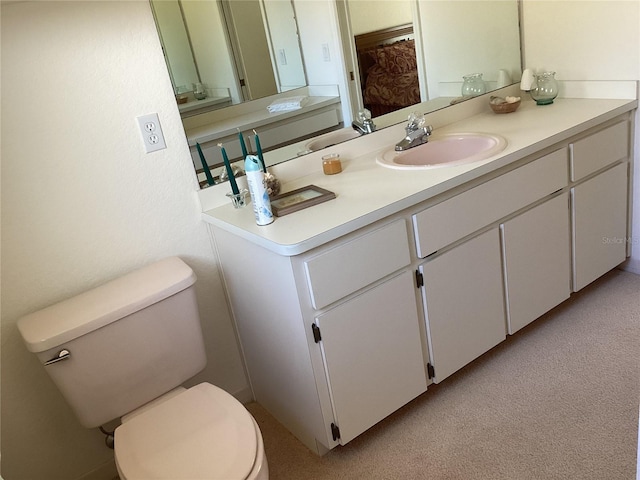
(599, 208)
(373, 355)
(464, 303)
(537, 263)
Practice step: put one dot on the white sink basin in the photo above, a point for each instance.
(331, 138)
(445, 151)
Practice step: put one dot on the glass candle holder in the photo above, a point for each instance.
(238, 200)
(544, 88)
(331, 164)
(473, 85)
(199, 91)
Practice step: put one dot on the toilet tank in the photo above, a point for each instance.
(129, 341)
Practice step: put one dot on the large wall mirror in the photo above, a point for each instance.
(210, 55)
(450, 39)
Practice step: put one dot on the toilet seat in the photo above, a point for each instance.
(202, 432)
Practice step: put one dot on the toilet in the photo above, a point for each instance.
(122, 351)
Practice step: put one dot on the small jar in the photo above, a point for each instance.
(544, 88)
(473, 85)
(331, 164)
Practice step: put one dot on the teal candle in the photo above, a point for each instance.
(259, 148)
(232, 178)
(242, 145)
(205, 166)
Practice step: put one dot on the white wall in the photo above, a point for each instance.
(483, 39)
(207, 34)
(589, 40)
(82, 203)
(318, 26)
(176, 43)
(386, 14)
(283, 35)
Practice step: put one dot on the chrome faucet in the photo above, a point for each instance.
(364, 124)
(416, 133)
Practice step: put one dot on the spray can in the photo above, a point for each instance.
(258, 190)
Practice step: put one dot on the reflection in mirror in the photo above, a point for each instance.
(388, 69)
(206, 48)
(451, 39)
(428, 56)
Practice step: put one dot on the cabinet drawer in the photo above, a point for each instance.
(332, 275)
(599, 150)
(463, 214)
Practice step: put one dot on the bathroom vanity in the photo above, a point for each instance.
(348, 310)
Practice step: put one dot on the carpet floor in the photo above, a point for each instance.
(557, 400)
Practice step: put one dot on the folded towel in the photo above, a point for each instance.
(287, 104)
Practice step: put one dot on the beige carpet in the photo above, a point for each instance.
(558, 400)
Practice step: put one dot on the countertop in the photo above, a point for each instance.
(194, 104)
(250, 120)
(367, 192)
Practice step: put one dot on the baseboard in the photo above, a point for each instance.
(244, 396)
(106, 471)
(631, 265)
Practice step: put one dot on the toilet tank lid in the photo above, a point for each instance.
(54, 325)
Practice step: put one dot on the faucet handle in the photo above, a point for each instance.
(416, 121)
(364, 115)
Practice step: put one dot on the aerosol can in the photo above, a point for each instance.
(258, 190)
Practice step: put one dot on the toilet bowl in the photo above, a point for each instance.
(202, 432)
(122, 350)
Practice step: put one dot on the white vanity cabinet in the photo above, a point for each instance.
(372, 354)
(464, 303)
(332, 338)
(469, 288)
(376, 333)
(599, 203)
(536, 257)
(338, 335)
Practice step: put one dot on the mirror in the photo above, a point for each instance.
(451, 39)
(211, 60)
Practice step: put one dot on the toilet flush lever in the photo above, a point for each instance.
(62, 355)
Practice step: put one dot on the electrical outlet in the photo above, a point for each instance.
(151, 131)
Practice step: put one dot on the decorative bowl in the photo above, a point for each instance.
(504, 107)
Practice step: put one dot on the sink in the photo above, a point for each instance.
(332, 138)
(444, 151)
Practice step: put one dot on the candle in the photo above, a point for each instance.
(232, 178)
(205, 166)
(259, 148)
(242, 145)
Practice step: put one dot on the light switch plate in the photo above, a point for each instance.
(151, 131)
(326, 53)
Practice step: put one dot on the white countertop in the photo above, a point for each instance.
(367, 192)
(250, 120)
(194, 104)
